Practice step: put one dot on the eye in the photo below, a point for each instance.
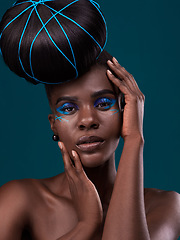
(104, 103)
(67, 108)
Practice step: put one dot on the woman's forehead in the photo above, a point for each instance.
(94, 80)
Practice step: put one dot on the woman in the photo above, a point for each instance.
(86, 89)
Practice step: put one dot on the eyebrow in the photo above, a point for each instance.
(95, 94)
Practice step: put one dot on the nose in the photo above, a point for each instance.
(87, 119)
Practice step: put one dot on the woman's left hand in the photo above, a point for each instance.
(134, 100)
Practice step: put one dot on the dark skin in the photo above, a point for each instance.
(91, 197)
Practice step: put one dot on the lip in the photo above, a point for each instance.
(89, 147)
(89, 139)
(89, 143)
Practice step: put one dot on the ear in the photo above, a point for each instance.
(120, 101)
(51, 118)
(120, 97)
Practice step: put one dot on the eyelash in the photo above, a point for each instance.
(104, 100)
(63, 109)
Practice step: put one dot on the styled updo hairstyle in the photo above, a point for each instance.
(52, 41)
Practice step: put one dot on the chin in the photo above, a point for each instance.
(92, 160)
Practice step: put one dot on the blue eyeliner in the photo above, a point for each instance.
(62, 108)
(60, 119)
(115, 111)
(105, 100)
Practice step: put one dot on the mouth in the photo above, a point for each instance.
(89, 143)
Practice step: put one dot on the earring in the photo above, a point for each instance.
(55, 138)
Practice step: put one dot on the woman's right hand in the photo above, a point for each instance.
(84, 194)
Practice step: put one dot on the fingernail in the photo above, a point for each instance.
(60, 145)
(110, 62)
(115, 60)
(109, 72)
(73, 153)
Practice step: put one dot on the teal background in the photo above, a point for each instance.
(144, 36)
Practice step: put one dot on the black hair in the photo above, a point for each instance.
(48, 64)
(101, 61)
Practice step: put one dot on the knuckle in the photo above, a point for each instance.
(122, 68)
(82, 176)
(142, 97)
(131, 75)
(64, 151)
(79, 171)
(134, 98)
(118, 65)
(112, 76)
(67, 168)
(76, 180)
(126, 78)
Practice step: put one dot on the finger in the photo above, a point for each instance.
(130, 76)
(117, 69)
(77, 161)
(120, 84)
(68, 165)
(78, 165)
(124, 75)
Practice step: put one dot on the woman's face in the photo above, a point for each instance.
(86, 107)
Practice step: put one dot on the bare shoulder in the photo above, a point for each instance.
(14, 203)
(158, 197)
(164, 213)
(159, 192)
(18, 195)
(14, 194)
(12, 188)
(39, 207)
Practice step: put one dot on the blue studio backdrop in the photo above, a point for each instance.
(144, 36)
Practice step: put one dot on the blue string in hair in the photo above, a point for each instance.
(34, 8)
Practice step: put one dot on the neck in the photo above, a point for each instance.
(103, 177)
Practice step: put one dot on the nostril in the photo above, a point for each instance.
(81, 127)
(95, 126)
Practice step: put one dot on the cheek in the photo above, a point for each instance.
(61, 119)
(113, 123)
(65, 133)
(64, 129)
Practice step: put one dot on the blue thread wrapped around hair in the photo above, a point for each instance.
(55, 14)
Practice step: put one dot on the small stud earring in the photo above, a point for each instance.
(55, 138)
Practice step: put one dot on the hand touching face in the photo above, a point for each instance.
(134, 100)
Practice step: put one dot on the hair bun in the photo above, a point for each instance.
(52, 41)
